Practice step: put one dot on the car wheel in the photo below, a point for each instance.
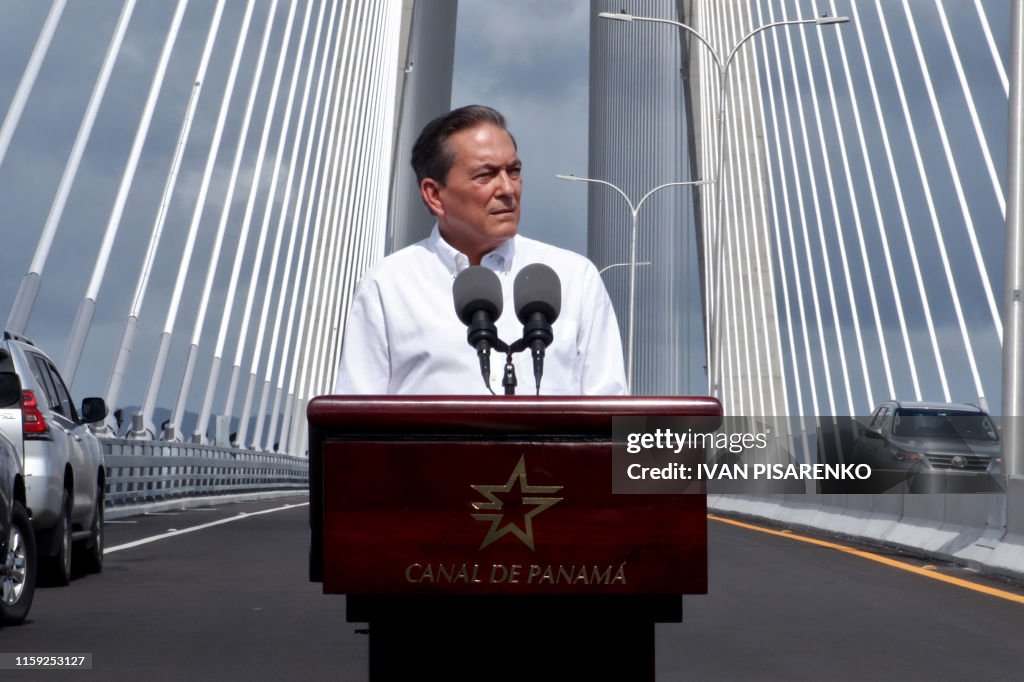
(91, 556)
(58, 566)
(18, 571)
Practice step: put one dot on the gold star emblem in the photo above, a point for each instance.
(530, 496)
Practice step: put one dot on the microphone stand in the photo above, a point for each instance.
(508, 380)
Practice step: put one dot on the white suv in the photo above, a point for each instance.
(64, 474)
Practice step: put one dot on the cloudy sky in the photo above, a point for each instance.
(536, 74)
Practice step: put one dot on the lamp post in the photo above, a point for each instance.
(1013, 306)
(634, 210)
(723, 66)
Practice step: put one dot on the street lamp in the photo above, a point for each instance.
(634, 210)
(723, 79)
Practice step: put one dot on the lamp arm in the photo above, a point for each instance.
(614, 187)
(692, 31)
(759, 29)
(668, 184)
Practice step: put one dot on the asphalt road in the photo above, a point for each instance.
(231, 602)
(780, 609)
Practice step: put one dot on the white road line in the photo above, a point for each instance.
(240, 516)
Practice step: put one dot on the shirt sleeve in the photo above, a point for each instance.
(600, 343)
(365, 366)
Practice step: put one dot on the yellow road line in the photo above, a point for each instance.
(959, 582)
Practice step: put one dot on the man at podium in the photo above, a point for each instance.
(403, 335)
(460, 528)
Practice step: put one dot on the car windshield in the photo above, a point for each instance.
(943, 424)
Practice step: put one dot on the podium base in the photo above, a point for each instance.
(521, 651)
(523, 638)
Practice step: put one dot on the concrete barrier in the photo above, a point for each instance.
(142, 472)
(981, 531)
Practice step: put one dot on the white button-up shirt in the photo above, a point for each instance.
(404, 337)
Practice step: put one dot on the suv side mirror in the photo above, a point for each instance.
(10, 389)
(93, 410)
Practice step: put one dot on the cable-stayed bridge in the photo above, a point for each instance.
(192, 190)
(880, 186)
(852, 252)
(233, 270)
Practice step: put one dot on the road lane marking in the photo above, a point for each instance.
(191, 529)
(959, 582)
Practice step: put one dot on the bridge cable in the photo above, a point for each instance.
(240, 256)
(986, 152)
(732, 222)
(127, 345)
(25, 299)
(856, 206)
(293, 410)
(804, 224)
(291, 327)
(368, 207)
(965, 213)
(330, 186)
(753, 259)
(929, 200)
(793, 259)
(271, 289)
(156, 376)
(992, 48)
(763, 175)
(844, 260)
(87, 307)
(28, 77)
(896, 184)
(200, 430)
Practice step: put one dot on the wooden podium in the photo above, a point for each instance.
(481, 535)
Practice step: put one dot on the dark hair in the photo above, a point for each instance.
(431, 157)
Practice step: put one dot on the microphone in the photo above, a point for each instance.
(478, 303)
(538, 299)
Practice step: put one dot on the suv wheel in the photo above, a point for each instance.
(18, 571)
(58, 566)
(91, 556)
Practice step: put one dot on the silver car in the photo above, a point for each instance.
(18, 559)
(64, 475)
(928, 437)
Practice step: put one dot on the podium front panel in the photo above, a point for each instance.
(496, 498)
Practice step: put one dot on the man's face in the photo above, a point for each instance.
(477, 207)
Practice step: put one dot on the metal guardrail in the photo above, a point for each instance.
(147, 471)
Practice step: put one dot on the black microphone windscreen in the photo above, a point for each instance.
(477, 288)
(537, 289)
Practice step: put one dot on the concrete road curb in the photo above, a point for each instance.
(949, 533)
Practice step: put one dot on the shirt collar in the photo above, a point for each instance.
(499, 260)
